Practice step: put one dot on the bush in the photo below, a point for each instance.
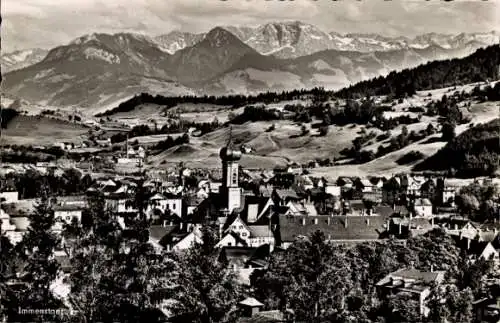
(410, 157)
(323, 130)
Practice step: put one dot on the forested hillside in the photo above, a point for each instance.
(475, 152)
(483, 65)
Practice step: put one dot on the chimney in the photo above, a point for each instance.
(328, 220)
(316, 221)
(432, 268)
(345, 222)
(367, 221)
(303, 220)
(399, 227)
(432, 222)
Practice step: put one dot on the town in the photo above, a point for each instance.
(255, 215)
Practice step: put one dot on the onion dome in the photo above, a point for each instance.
(229, 153)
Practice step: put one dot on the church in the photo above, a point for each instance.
(243, 220)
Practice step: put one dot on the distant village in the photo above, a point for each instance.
(257, 212)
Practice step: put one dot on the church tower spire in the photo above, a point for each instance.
(230, 190)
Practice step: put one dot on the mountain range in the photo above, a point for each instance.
(97, 71)
(21, 58)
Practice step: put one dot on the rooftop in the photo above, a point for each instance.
(252, 302)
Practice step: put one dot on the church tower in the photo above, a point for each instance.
(230, 190)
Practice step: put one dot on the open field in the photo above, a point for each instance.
(268, 148)
(30, 130)
(386, 165)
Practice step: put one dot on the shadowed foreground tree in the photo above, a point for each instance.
(449, 304)
(7, 256)
(323, 282)
(117, 275)
(38, 269)
(205, 289)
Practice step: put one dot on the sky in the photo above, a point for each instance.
(50, 23)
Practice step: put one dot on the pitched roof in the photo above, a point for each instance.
(157, 196)
(274, 316)
(68, 207)
(236, 255)
(423, 202)
(334, 227)
(252, 302)
(157, 232)
(258, 231)
(424, 277)
(237, 238)
(286, 193)
(265, 190)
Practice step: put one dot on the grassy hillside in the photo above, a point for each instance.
(29, 130)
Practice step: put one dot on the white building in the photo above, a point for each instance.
(422, 207)
(162, 203)
(68, 212)
(9, 197)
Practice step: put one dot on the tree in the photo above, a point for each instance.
(467, 204)
(448, 131)
(7, 271)
(39, 268)
(430, 129)
(323, 130)
(369, 204)
(303, 130)
(401, 307)
(204, 289)
(450, 304)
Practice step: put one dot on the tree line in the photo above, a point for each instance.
(481, 66)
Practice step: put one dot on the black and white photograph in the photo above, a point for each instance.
(250, 161)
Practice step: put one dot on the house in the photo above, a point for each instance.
(182, 237)
(250, 306)
(297, 208)
(411, 184)
(162, 203)
(428, 190)
(68, 212)
(294, 168)
(485, 251)
(283, 196)
(403, 226)
(333, 189)
(305, 182)
(9, 228)
(245, 260)
(9, 196)
(253, 235)
(157, 233)
(417, 283)
(246, 149)
(487, 309)
(363, 185)
(231, 239)
(345, 182)
(447, 191)
(338, 229)
(422, 207)
(119, 203)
